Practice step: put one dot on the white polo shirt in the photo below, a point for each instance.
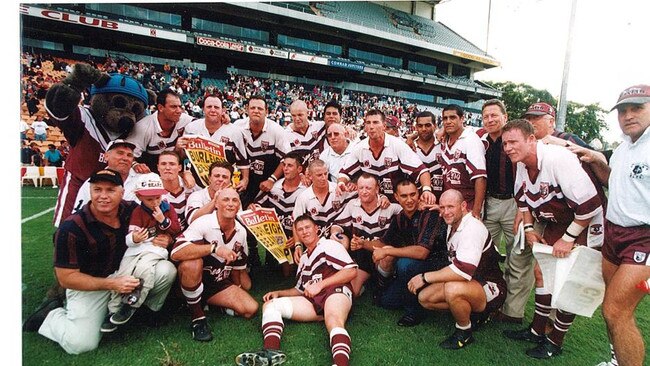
(629, 183)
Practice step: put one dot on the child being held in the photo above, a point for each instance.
(145, 258)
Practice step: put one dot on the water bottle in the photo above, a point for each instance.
(644, 286)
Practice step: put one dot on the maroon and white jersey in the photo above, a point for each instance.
(472, 253)
(206, 231)
(195, 201)
(311, 144)
(430, 160)
(324, 214)
(146, 135)
(369, 225)
(228, 135)
(395, 161)
(562, 192)
(265, 150)
(327, 258)
(88, 141)
(179, 201)
(283, 202)
(462, 163)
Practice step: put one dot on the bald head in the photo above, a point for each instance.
(228, 203)
(452, 207)
(453, 196)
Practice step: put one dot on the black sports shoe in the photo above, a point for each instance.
(544, 350)
(265, 357)
(123, 315)
(107, 326)
(36, 319)
(523, 335)
(201, 330)
(458, 340)
(409, 320)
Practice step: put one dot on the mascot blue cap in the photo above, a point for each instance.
(122, 84)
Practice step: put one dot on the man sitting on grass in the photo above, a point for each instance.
(323, 291)
(472, 286)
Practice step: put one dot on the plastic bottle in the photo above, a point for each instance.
(644, 286)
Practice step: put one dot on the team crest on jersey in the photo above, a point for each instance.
(388, 161)
(382, 220)
(543, 189)
(314, 134)
(224, 140)
(366, 163)
(639, 170)
(439, 157)
(296, 142)
(162, 145)
(336, 204)
(358, 219)
(274, 196)
(457, 154)
(264, 145)
(639, 257)
(523, 187)
(313, 211)
(596, 229)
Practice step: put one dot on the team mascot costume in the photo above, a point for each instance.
(117, 102)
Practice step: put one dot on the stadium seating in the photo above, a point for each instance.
(33, 174)
(49, 173)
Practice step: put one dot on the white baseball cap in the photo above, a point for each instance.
(149, 184)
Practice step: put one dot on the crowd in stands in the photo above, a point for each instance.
(187, 82)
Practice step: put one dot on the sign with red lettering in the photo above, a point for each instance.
(89, 21)
(219, 43)
(265, 225)
(202, 153)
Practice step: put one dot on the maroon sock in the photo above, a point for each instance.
(542, 311)
(563, 321)
(193, 299)
(341, 346)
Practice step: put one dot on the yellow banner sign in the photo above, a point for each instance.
(264, 224)
(202, 153)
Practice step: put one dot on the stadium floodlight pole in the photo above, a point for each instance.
(487, 33)
(561, 109)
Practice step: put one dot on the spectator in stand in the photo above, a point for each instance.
(53, 156)
(26, 153)
(32, 105)
(64, 149)
(40, 129)
(24, 127)
(36, 157)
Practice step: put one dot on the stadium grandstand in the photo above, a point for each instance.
(383, 52)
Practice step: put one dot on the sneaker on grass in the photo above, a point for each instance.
(545, 350)
(524, 335)
(458, 340)
(201, 330)
(123, 315)
(265, 357)
(107, 326)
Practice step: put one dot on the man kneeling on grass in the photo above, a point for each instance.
(472, 286)
(323, 291)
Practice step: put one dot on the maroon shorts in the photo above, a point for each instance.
(215, 278)
(495, 293)
(318, 301)
(627, 245)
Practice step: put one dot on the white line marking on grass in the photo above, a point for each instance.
(37, 215)
(39, 198)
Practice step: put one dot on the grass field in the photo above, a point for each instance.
(376, 339)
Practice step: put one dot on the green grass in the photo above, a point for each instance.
(376, 339)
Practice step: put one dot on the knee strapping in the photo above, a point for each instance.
(277, 309)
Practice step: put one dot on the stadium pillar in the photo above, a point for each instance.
(561, 117)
